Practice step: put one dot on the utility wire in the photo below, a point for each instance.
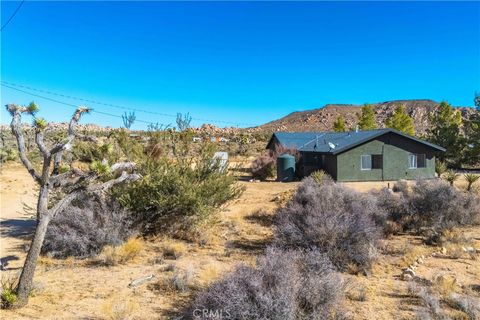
(13, 15)
(121, 107)
(74, 105)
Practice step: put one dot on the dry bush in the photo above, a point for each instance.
(400, 186)
(431, 205)
(467, 304)
(172, 249)
(337, 221)
(265, 165)
(86, 226)
(119, 308)
(429, 300)
(124, 253)
(284, 285)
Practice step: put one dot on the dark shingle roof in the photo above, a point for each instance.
(342, 141)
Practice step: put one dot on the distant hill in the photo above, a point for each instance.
(322, 119)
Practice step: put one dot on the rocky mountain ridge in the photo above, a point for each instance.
(322, 119)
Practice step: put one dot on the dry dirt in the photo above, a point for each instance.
(73, 289)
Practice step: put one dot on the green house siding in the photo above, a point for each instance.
(395, 150)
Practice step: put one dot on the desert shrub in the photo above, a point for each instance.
(284, 285)
(438, 205)
(8, 285)
(400, 186)
(87, 225)
(337, 221)
(177, 195)
(430, 205)
(8, 154)
(440, 167)
(467, 304)
(319, 176)
(264, 166)
(471, 179)
(451, 176)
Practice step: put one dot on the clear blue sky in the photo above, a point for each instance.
(241, 62)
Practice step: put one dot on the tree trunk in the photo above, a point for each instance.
(26, 278)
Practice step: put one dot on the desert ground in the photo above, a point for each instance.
(85, 289)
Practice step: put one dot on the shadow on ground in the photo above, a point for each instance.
(17, 228)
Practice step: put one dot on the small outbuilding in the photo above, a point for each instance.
(372, 155)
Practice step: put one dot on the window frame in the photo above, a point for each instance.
(361, 162)
(415, 157)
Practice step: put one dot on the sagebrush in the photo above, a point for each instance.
(284, 285)
(337, 221)
(86, 226)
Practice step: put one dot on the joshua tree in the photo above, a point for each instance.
(128, 119)
(52, 179)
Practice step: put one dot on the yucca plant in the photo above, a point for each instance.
(440, 168)
(451, 176)
(471, 179)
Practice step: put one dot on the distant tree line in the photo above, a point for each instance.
(461, 137)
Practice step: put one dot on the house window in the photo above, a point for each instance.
(412, 161)
(366, 162)
(377, 161)
(421, 161)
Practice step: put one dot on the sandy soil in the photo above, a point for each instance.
(17, 190)
(74, 289)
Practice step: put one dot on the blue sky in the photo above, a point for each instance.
(241, 62)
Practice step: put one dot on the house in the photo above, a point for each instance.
(373, 155)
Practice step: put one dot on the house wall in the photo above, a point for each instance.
(395, 150)
(326, 162)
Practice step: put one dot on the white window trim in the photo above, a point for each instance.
(416, 161)
(361, 162)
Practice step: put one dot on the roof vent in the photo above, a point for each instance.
(356, 128)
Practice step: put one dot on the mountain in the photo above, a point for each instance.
(322, 119)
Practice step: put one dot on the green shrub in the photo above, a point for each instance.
(177, 194)
(8, 154)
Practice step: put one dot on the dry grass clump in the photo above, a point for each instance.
(8, 286)
(172, 249)
(179, 280)
(124, 253)
(119, 308)
(410, 254)
(445, 284)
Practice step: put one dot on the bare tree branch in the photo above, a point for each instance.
(71, 131)
(15, 125)
(40, 143)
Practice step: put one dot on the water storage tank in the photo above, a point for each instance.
(285, 168)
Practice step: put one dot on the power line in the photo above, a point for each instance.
(74, 105)
(13, 15)
(122, 107)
